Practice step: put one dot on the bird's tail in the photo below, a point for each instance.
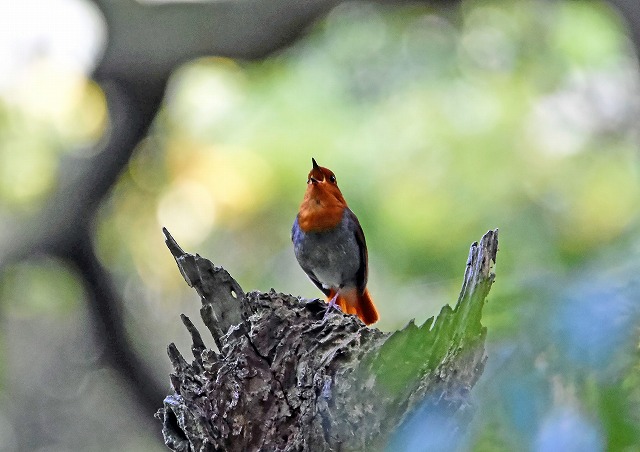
(360, 304)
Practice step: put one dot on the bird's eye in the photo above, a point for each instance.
(332, 179)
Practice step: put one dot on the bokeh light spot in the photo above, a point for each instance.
(187, 209)
(28, 171)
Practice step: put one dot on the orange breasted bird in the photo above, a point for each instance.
(330, 247)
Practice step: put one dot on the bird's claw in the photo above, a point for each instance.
(331, 305)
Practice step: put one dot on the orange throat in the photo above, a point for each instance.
(320, 210)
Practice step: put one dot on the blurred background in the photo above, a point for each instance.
(441, 120)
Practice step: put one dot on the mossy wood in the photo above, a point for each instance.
(282, 378)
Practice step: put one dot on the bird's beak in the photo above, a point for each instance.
(316, 170)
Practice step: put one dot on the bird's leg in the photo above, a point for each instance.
(332, 304)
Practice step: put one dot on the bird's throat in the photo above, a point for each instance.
(320, 213)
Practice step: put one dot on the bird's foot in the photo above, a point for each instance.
(331, 305)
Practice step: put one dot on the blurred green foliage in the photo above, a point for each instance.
(43, 288)
(519, 115)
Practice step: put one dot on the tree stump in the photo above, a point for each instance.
(284, 378)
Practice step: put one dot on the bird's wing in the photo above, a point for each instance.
(363, 270)
(313, 278)
(294, 228)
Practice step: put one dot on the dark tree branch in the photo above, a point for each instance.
(630, 12)
(105, 308)
(85, 182)
(64, 228)
(151, 40)
(285, 378)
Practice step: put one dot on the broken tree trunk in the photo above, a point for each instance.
(285, 379)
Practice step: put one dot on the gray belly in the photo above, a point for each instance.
(332, 256)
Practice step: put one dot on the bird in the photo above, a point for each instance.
(329, 245)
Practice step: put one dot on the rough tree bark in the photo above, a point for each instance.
(283, 378)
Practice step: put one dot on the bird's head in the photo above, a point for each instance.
(323, 205)
(319, 174)
(322, 183)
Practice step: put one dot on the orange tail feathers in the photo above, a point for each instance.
(366, 309)
(351, 302)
